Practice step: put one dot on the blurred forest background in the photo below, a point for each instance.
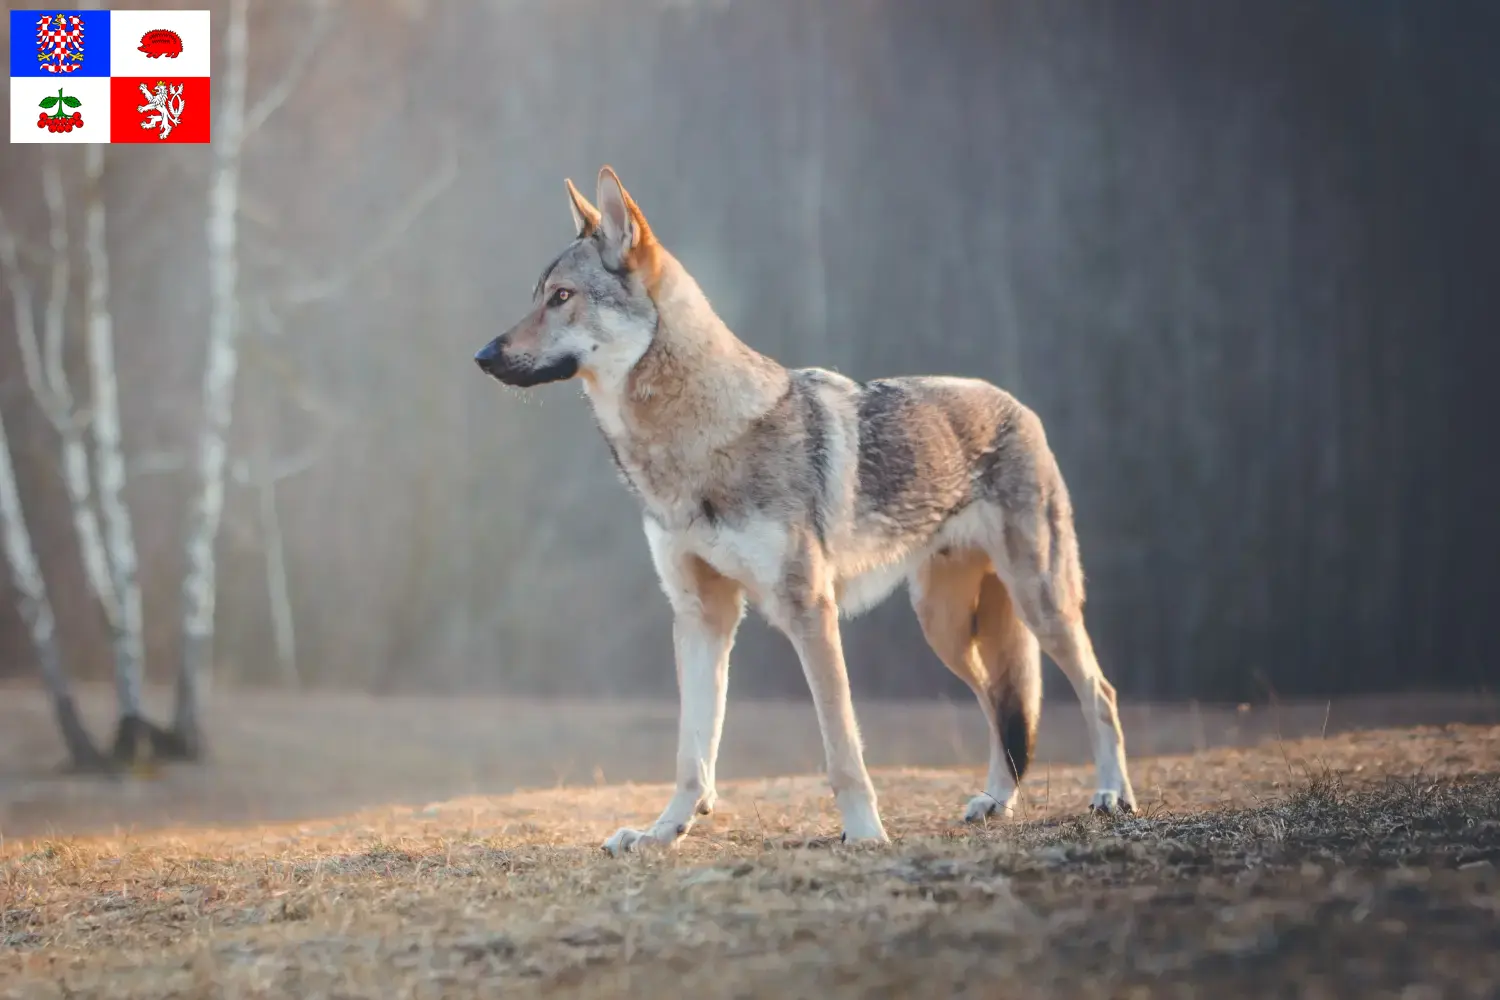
(1240, 257)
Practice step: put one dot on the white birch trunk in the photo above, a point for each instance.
(198, 591)
(46, 377)
(50, 386)
(36, 612)
(278, 593)
(109, 454)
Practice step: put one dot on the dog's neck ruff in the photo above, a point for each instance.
(695, 389)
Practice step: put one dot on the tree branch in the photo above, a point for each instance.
(260, 352)
(244, 471)
(256, 351)
(55, 322)
(296, 69)
(143, 197)
(258, 472)
(49, 383)
(400, 222)
(264, 471)
(24, 311)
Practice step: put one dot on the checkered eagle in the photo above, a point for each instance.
(59, 42)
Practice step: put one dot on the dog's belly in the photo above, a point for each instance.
(867, 578)
(860, 592)
(866, 569)
(755, 556)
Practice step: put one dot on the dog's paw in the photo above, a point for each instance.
(628, 841)
(1109, 802)
(878, 837)
(706, 803)
(861, 818)
(864, 830)
(984, 805)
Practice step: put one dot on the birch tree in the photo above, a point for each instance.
(47, 378)
(218, 388)
(236, 123)
(20, 554)
(36, 612)
(264, 471)
(109, 462)
(108, 561)
(264, 475)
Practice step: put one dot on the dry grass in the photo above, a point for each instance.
(280, 757)
(1360, 865)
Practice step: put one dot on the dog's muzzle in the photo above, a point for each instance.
(522, 373)
(490, 359)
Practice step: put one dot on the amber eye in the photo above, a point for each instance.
(560, 296)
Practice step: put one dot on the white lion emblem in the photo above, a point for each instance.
(168, 102)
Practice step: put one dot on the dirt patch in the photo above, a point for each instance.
(1362, 865)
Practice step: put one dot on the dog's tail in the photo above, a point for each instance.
(1017, 734)
(1013, 663)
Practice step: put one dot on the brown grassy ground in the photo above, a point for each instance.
(278, 757)
(1360, 865)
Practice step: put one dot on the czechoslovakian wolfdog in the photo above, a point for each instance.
(806, 493)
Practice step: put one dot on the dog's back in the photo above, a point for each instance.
(891, 471)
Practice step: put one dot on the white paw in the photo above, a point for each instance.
(626, 840)
(864, 830)
(865, 838)
(1109, 801)
(861, 820)
(985, 805)
(706, 803)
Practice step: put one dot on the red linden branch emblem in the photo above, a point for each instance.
(60, 120)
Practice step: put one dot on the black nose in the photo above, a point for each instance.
(488, 355)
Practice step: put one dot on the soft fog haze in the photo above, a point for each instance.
(1239, 256)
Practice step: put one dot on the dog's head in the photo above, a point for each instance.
(592, 311)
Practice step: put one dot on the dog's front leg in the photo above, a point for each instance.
(811, 622)
(707, 609)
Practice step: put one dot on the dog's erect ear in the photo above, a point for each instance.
(585, 216)
(621, 222)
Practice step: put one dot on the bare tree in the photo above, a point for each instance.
(109, 461)
(237, 123)
(218, 387)
(47, 378)
(263, 474)
(108, 566)
(264, 471)
(226, 333)
(36, 612)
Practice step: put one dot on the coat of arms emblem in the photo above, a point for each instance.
(166, 104)
(59, 42)
(161, 42)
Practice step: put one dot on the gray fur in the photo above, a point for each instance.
(802, 492)
(610, 289)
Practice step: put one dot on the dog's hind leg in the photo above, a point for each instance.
(970, 623)
(1038, 559)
